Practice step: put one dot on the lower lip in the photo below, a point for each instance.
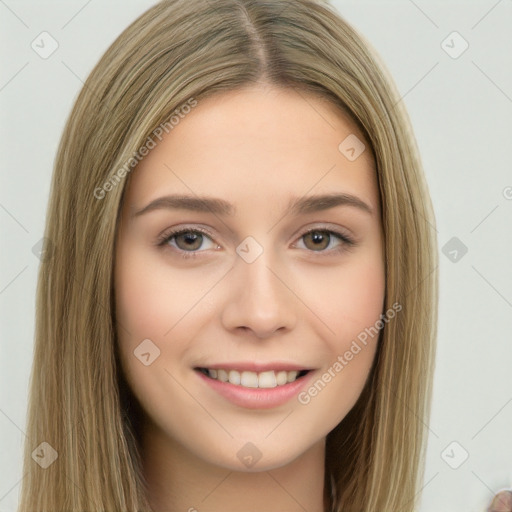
(257, 398)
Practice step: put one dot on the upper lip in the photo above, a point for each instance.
(256, 367)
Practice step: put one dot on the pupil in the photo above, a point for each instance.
(190, 239)
(319, 238)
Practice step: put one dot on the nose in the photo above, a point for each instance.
(260, 298)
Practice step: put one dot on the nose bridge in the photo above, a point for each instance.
(259, 299)
(259, 276)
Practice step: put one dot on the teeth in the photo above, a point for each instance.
(282, 378)
(292, 376)
(234, 377)
(248, 379)
(222, 375)
(268, 379)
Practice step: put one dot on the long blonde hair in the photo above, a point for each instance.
(79, 402)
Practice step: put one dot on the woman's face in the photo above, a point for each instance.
(244, 293)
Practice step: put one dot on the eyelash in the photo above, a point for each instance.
(167, 236)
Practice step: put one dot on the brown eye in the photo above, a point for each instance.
(189, 240)
(320, 241)
(317, 240)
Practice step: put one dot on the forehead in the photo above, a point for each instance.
(257, 145)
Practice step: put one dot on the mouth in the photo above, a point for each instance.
(250, 379)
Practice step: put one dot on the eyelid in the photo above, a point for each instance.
(163, 238)
(337, 233)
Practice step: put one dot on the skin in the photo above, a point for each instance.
(297, 302)
(502, 502)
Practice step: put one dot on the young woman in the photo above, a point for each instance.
(238, 306)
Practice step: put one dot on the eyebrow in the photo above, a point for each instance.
(296, 206)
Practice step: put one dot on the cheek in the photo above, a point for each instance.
(143, 312)
(147, 307)
(350, 307)
(156, 302)
(346, 300)
(360, 299)
(152, 297)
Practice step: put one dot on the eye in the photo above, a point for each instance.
(320, 240)
(186, 241)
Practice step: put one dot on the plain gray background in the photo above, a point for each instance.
(460, 106)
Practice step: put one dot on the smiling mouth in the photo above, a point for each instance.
(248, 379)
